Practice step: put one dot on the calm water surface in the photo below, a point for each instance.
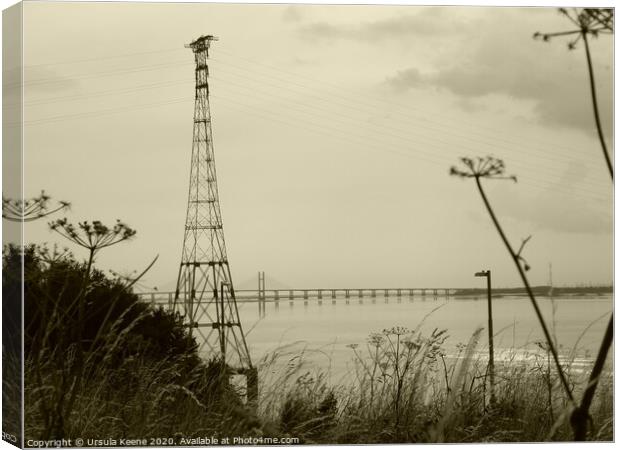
(328, 329)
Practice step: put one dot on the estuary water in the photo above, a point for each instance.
(326, 330)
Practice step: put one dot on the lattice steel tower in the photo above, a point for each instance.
(205, 295)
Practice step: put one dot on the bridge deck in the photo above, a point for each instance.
(275, 295)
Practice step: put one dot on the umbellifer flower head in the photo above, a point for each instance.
(482, 167)
(592, 21)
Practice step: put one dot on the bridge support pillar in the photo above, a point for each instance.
(261, 309)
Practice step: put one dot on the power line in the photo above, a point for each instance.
(495, 147)
(441, 129)
(425, 112)
(429, 140)
(106, 58)
(56, 80)
(91, 114)
(441, 161)
(154, 67)
(88, 115)
(270, 67)
(77, 97)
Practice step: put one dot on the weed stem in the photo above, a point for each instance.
(526, 283)
(597, 117)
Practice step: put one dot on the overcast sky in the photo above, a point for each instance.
(334, 131)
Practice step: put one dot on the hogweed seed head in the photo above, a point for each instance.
(93, 235)
(31, 209)
(587, 21)
(482, 167)
(376, 340)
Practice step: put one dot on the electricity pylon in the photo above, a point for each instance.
(205, 295)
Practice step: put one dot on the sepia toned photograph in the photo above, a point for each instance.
(306, 224)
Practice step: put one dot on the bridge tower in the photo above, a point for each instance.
(205, 295)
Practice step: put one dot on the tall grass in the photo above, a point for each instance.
(404, 388)
(128, 371)
(11, 394)
(139, 399)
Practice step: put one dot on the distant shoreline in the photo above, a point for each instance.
(539, 291)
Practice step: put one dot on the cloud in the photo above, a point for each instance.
(408, 79)
(431, 21)
(504, 60)
(476, 80)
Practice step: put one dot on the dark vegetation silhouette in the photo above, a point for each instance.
(68, 347)
(589, 23)
(91, 347)
(21, 211)
(493, 169)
